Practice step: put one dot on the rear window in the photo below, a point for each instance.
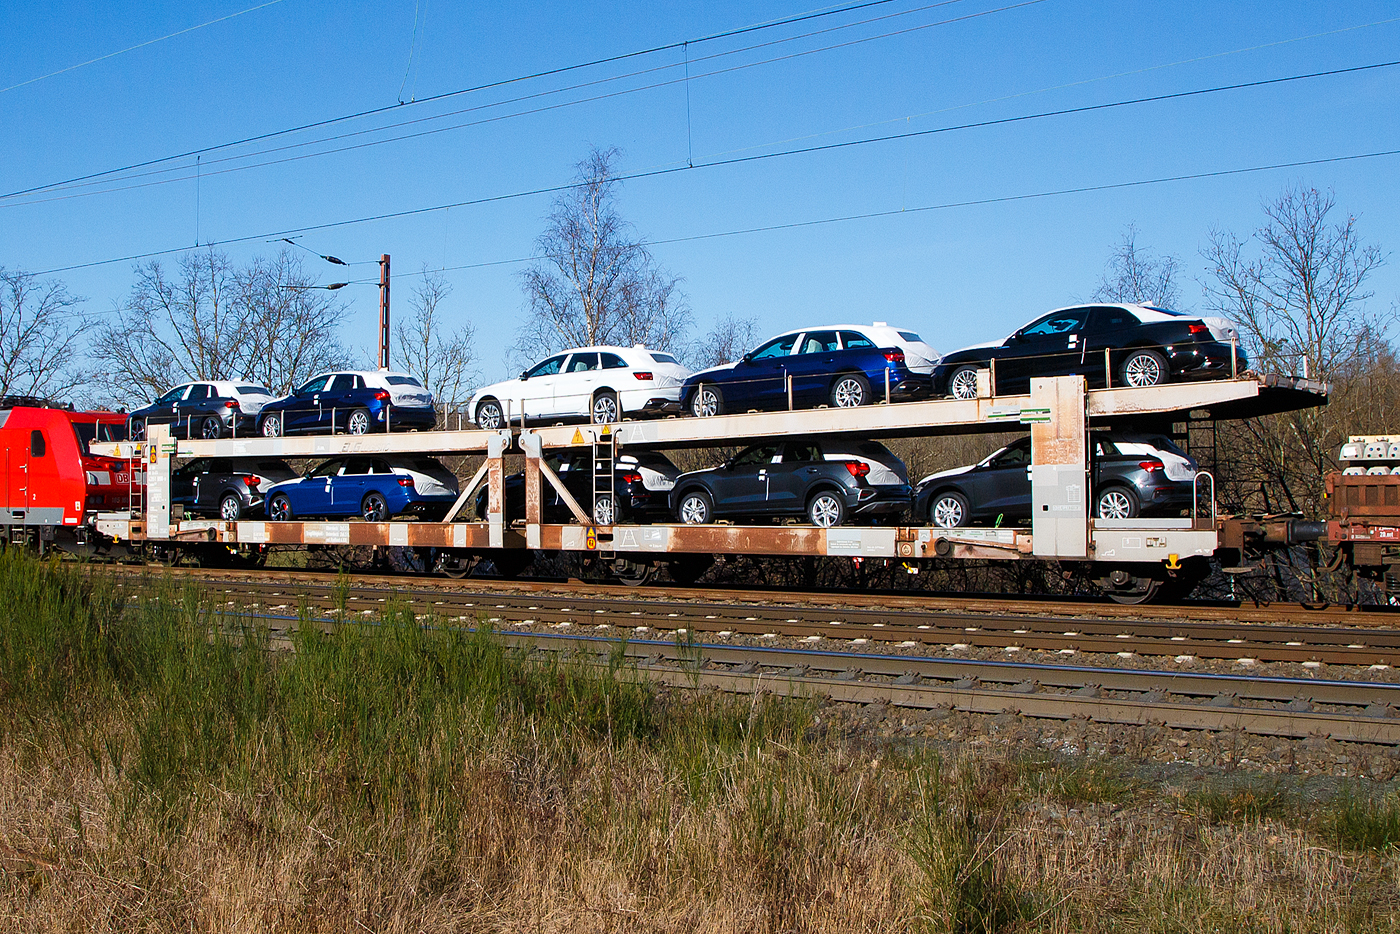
(662, 357)
(911, 337)
(255, 390)
(403, 381)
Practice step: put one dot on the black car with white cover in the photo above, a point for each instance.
(228, 487)
(827, 480)
(1110, 345)
(1132, 475)
(641, 485)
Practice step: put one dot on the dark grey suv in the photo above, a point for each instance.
(828, 480)
(227, 487)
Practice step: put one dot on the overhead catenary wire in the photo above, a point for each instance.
(503, 82)
(108, 180)
(869, 215)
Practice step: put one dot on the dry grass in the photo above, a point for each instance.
(157, 775)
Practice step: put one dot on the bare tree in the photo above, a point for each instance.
(440, 356)
(211, 320)
(596, 282)
(40, 333)
(1135, 275)
(1299, 298)
(726, 342)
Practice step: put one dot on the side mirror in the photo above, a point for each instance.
(524, 376)
(747, 358)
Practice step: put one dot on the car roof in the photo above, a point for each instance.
(1143, 312)
(843, 327)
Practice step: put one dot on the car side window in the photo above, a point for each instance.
(777, 347)
(758, 455)
(316, 385)
(801, 453)
(328, 469)
(1064, 322)
(583, 362)
(356, 465)
(380, 466)
(1014, 456)
(1111, 319)
(173, 395)
(852, 340)
(612, 361)
(820, 342)
(547, 368)
(198, 392)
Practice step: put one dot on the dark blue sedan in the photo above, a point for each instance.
(355, 402)
(843, 366)
(373, 488)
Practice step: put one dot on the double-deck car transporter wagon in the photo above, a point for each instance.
(1132, 559)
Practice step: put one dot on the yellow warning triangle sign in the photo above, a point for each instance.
(606, 431)
(578, 437)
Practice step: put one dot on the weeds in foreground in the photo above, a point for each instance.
(1358, 821)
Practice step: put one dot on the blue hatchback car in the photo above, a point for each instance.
(373, 488)
(843, 366)
(355, 402)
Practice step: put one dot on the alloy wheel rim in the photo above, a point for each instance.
(603, 511)
(825, 511)
(1142, 370)
(211, 428)
(489, 418)
(229, 510)
(693, 511)
(279, 509)
(605, 410)
(849, 394)
(359, 423)
(947, 513)
(374, 510)
(272, 427)
(1114, 505)
(706, 404)
(965, 384)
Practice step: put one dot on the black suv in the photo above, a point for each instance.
(828, 480)
(641, 483)
(1119, 345)
(1132, 476)
(227, 487)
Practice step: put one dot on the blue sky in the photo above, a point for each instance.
(959, 274)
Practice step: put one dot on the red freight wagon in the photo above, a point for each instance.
(51, 477)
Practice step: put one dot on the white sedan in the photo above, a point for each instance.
(602, 384)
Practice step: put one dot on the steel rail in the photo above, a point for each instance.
(1010, 604)
(1255, 642)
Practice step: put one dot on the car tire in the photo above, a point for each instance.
(962, 383)
(358, 423)
(137, 432)
(373, 508)
(1143, 368)
(230, 507)
(850, 391)
(271, 426)
(279, 508)
(948, 510)
(605, 411)
(211, 428)
(1116, 502)
(695, 508)
(826, 509)
(708, 401)
(489, 415)
(603, 513)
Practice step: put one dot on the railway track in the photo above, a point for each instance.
(669, 642)
(1009, 628)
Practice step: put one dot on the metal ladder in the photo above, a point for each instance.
(136, 492)
(604, 474)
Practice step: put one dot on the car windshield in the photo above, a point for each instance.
(315, 385)
(98, 431)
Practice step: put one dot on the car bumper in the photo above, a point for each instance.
(407, 416)
(1205, 361)
(879, 501)
(658, 406)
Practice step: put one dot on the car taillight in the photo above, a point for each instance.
(232, 404)
(405, 481)
(1197, 329)
(629, 477)
(642, 374)
(252, 480)
(858, 468)
(381, 395)
(894, 356)
(1150, 466)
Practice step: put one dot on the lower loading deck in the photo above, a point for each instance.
(1125, 540)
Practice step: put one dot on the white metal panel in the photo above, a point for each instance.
(1059, 486)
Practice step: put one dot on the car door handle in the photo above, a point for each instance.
(811, 470)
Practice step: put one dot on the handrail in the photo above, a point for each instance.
(1196, 499)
